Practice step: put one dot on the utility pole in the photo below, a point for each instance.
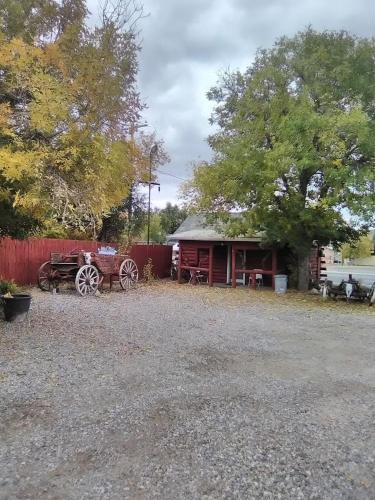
(153, 151)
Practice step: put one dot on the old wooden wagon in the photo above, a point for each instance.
(87, 270)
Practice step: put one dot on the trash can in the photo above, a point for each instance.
(281, 283)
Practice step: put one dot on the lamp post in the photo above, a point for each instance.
(153, 151)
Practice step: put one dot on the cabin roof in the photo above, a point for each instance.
(196, 228)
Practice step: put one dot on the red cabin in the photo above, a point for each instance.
(203, 251)
(206, 253)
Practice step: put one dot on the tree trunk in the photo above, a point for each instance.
(303, 272)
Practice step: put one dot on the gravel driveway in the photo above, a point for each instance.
(184, 392)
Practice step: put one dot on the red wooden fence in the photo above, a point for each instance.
(161, 256)
(21, 259)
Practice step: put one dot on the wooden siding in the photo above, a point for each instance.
(21, 259)
(189, 253)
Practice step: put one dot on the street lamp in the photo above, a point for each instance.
(153, 151)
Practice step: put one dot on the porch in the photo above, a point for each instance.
(229, 263)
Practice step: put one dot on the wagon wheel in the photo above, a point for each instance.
(128, 274)
(44, 277)
(87, 280)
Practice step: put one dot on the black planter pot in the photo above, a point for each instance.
(16, 305)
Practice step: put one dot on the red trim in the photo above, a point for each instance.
(195, 268)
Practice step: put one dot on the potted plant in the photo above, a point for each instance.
(14, 302)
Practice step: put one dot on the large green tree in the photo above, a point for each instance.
(157, 233)
(294, 149)
(68, 104)
(171, 216)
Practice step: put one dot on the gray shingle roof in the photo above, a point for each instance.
(196, 228)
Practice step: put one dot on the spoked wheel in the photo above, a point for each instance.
(87, 280)
(128, 274)
(44, 277)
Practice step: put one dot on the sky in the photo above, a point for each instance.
(186, 44)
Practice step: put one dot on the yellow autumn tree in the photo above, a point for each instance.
(68, 100)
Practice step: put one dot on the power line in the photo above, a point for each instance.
(171, 175)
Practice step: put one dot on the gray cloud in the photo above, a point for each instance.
(186, 43)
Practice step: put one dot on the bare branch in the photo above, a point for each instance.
(123, 14)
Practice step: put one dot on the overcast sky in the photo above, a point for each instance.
(186, 43)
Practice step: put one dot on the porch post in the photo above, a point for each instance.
(274, 266)
(179, 262)
(234, 283)
(229, 257)
(210, 266)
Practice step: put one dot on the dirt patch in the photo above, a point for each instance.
(24, 414)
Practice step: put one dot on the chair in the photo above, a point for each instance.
(196, 277)
(258, 280)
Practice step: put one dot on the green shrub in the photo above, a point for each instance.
(7, 286)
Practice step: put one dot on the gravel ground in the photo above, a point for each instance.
(185, 392)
